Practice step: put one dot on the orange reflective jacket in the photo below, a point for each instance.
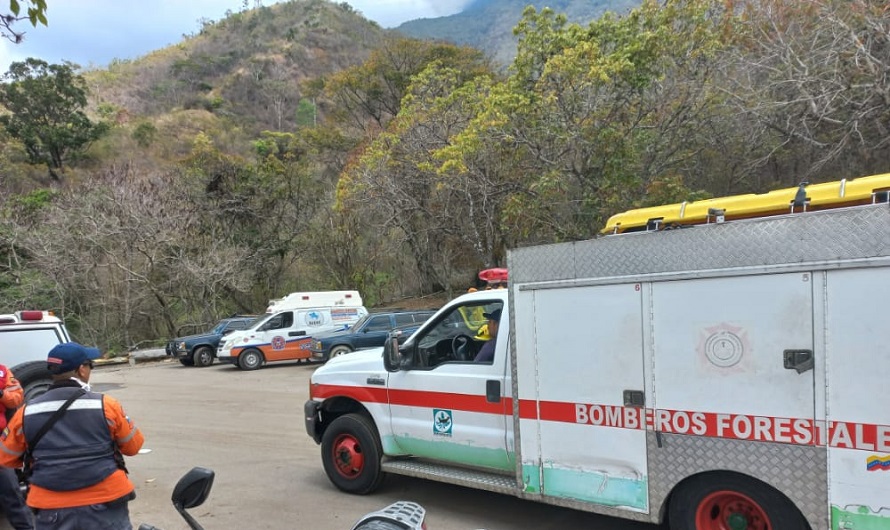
(128, 438)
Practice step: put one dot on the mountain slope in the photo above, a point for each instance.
(488, 24)
(250, 64)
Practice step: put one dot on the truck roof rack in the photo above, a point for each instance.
(803, 198)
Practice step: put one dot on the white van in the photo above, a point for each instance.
(285, 334)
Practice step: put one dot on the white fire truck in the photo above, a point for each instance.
(25, 339)
(727, 375)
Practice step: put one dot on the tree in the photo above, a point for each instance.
(814, 75)
(36, 14)
(46, 103)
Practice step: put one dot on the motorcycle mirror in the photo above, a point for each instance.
(193, 488)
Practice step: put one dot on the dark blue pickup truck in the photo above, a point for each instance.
(200, 350)
(369, 332)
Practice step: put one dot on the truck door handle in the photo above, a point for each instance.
(800, 360)
(493, 391)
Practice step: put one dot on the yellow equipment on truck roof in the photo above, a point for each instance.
(846, 192)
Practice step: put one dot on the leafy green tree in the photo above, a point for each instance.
(46, 103)
(36, 14)
(590, 116)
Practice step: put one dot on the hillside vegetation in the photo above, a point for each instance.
(301, 147)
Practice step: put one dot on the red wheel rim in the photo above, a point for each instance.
(348, 457)
(730, 510)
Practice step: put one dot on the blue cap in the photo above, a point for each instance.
(69, 356)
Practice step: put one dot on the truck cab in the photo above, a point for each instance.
(469, 422)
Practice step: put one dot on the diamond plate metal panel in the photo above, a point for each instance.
(849, 233)
(452, 475)
(800, 472)
(553, 262)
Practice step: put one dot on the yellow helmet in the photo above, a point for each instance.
(482, 333)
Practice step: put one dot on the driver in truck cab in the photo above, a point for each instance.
(486, 352)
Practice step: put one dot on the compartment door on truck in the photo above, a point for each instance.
(858, 434)
(580, 353)
(450, 408)
(734, 359)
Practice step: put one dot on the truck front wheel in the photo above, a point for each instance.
(250, 359)
(723, 501)
(351, 452)
(203, 356)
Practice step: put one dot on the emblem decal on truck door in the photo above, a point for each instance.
(442, 422)
(723, 345)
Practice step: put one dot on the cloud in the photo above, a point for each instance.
(96, 31)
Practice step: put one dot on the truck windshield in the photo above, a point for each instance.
(360, 322)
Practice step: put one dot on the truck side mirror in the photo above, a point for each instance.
(392, 357)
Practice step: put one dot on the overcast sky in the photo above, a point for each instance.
(93, 32)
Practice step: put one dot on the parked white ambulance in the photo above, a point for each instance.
(285, 334)
(721, 376)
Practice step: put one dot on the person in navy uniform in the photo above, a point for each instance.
(486, 352)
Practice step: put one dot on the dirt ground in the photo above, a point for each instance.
(248, 427)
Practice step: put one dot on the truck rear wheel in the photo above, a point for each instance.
(203, 356)
(351, 452)
(34, 378)
(726, 501)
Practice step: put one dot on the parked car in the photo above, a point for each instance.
(200, 350)
(369, 332)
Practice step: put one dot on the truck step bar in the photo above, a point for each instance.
(495, 482)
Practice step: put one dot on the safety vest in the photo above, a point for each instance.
(77, 451)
